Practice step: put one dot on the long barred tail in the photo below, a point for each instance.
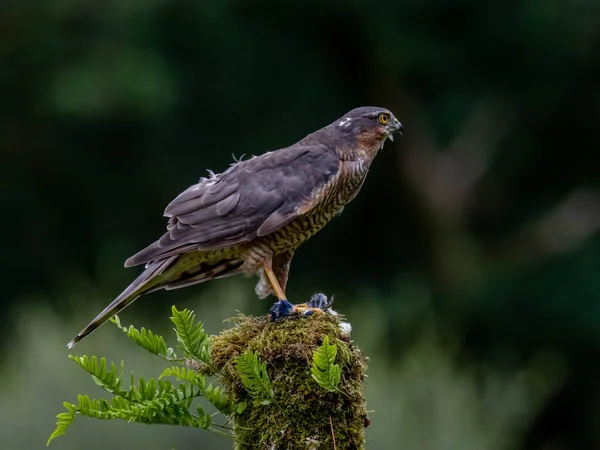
(158, 275)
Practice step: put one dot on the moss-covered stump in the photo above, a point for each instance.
(302, 415)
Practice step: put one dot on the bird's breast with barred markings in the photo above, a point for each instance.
(328, 202)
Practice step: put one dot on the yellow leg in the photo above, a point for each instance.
(274, 283)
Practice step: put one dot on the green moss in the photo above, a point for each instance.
(299, 417)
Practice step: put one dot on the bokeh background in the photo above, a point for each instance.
(469, 265)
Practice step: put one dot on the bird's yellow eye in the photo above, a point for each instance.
(384, 118)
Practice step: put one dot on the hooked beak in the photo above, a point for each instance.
(395, 127)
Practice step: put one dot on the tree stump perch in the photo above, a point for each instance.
(302, 415)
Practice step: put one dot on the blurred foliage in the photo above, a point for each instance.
(480, 224)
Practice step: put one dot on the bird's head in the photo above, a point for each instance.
(371, 119)
(358, 134)
(369, 126)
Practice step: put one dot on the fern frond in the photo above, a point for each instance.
(204, 419)
(112, 382)
(65, 420)
(255, 378)
(96, 408)
(191, 336)
(220, 400)
(109, 380)
(185, 374)
(324, 370)
(164, 405)
(149, 341)
(214, 394)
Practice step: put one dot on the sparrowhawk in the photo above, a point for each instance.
(252, 217)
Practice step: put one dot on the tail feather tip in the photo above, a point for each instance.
(73, 341)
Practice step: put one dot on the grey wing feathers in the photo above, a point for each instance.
(252, 198)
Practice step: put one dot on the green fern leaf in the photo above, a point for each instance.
(157, 401)
(214, 395)
(110, 380)
(255, 378)
(324, 370)
(65, 420)
(149, 341)
(219, 399)
(191, 336)
(96, 408)
(170, 408)
(204, 419)
(185, 374)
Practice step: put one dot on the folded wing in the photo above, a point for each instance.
(252, 198)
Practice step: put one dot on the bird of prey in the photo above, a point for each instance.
(252, 217)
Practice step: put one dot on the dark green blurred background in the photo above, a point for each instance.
(469, 265)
